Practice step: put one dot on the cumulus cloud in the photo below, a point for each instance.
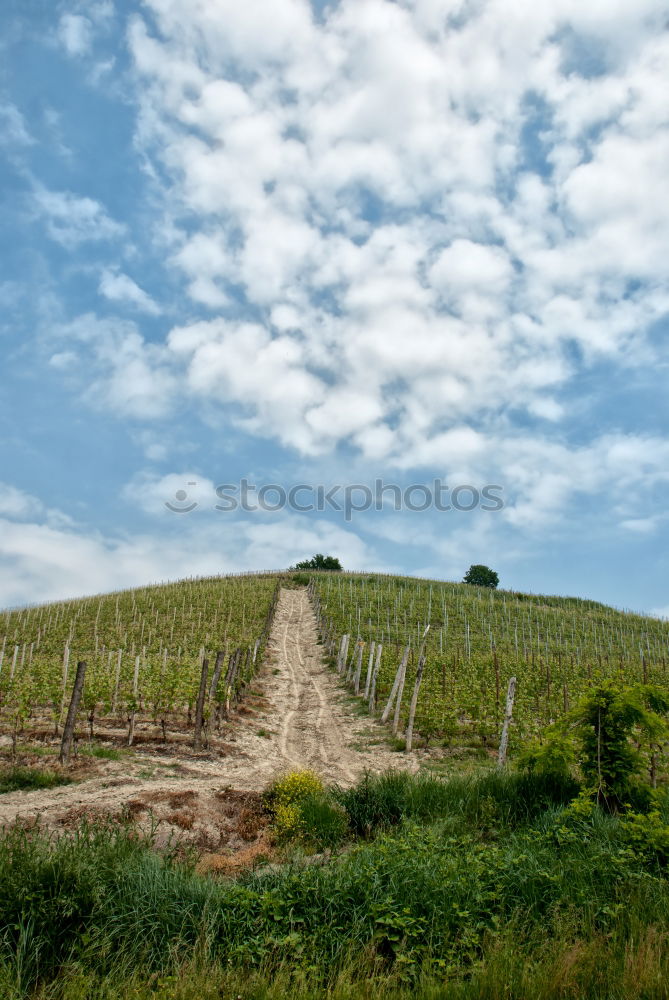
(16, 503)
(426, 208)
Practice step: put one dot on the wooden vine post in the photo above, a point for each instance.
(343, 652)
(133, 710)
(375, 674)
(508, 713)
(399, 679)
(358, 667)
(199, 705)
(414, 696)
(68, 731)
(414, 702)
(370, 665)
(218, 667)
(66, 660)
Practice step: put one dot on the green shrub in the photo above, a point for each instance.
(609, 738)
(293, 788)
(304, 811)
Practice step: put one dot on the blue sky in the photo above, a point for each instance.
(330, 243)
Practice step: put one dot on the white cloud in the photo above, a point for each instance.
(72, 220)
(75, 33)
(641, 525)
(660, 612)
(240, 363)
(124, 372)
(45, 559)
(184, 492)
(119, 287)
(17, 504)
(363, 181)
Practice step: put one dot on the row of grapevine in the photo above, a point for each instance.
(143, 648)
(477, 640)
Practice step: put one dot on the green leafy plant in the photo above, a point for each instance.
(304, 811)
(610, 738)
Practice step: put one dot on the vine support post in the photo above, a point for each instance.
(508, 714)
(199, 707)
(135, 690)
(399, 676)
(370, 665)
(358, 666)
(68, 731)
(375, 674)
(66, 660)
(414, 702)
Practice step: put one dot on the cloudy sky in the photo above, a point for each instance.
(328, 243)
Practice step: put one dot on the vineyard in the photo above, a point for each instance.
(476, 641)
(153, 655)
(144, 651)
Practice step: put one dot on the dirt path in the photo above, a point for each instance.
(296, 715)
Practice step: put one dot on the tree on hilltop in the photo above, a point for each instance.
(319, 561)
(481, 576)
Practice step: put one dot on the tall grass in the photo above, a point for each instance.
(15, 778)
(382, 801)
(487, 898)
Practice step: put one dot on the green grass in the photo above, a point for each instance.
(14, 779)
(470, 888)
(382, 801)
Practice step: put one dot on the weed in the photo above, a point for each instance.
(14, 779)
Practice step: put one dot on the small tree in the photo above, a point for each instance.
(610, 737)
(481, 576)
(319, 561)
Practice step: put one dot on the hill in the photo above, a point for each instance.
(144, 649)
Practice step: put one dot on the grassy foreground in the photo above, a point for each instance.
(490, 887)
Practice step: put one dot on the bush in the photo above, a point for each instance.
(304, 811)
(324, 823)
(420, 899)
(609, 738)
(293, 788)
